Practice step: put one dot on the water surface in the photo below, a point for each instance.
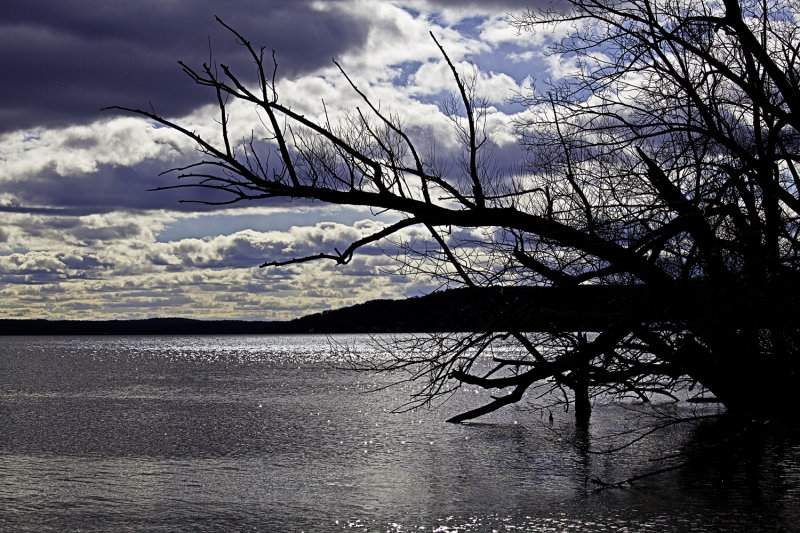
(271, 433)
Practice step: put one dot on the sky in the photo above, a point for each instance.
(83, 238)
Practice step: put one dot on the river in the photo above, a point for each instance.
(272, 433)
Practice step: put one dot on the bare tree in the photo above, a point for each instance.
(677, 138)
(662, 171)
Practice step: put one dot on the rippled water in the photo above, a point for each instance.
(268, 433)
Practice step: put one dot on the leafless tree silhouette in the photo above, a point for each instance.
(662, 168)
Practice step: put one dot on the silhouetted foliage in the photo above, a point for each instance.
(662, 170)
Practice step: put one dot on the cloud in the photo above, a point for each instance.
(79, 150)
(77, 58)
(456, 11)
(81, 237)
(112, 266)
(110, 161)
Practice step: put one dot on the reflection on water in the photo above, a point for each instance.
(268, 434)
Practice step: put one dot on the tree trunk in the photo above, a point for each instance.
(583, 405)
(754, 373)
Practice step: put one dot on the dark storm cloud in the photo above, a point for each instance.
(69, 59)
(81, 263)
(110, 188)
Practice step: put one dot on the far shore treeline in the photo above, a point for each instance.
(466, 309)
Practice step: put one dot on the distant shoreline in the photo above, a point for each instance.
(581, 308)
(151, 326)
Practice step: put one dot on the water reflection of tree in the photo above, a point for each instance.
(751, 466)
(754, 458)
(662, 168)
